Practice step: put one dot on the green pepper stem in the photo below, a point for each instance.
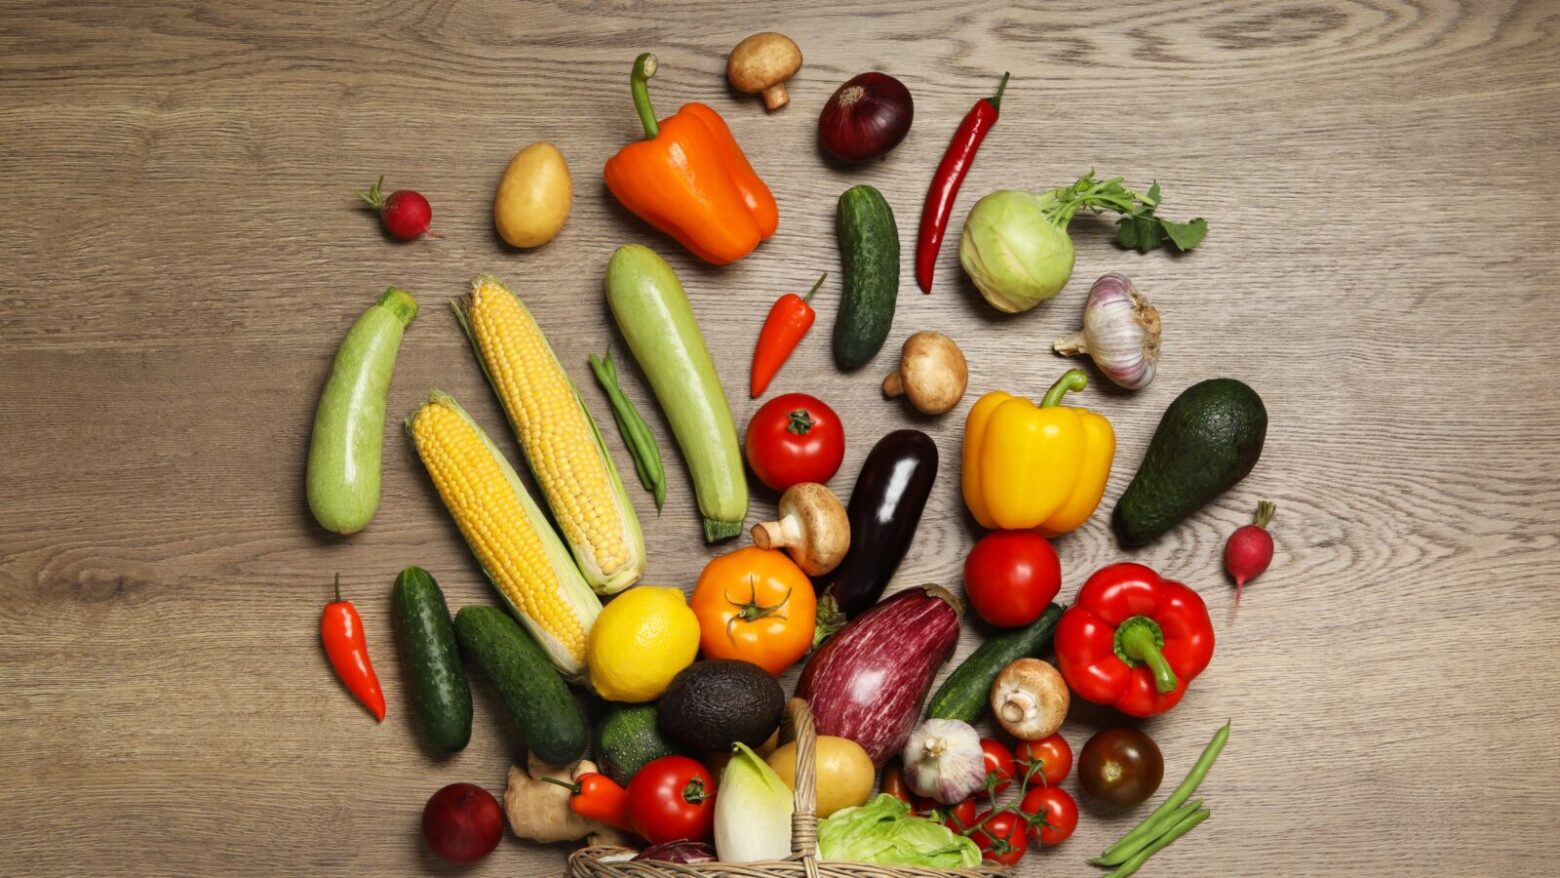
(1140, 641)
(808, 297)
(996, 100)
(338, 588)
(639, 84)
(1073, 380)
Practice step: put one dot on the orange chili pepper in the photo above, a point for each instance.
(690, 179)
(597, 797)
(341, 629)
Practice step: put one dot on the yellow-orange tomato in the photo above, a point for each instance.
(755, 605)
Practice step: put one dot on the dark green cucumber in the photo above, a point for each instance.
(966, 692)
(869, 250)
(441, 697)
(1208, 439)
(538, 700)
(627, 738)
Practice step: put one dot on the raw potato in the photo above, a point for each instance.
(534, 196)
(845, 772)
(539, 811)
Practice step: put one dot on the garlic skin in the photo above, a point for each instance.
(943, 760)
(1120, 332)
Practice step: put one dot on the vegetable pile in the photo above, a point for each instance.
(915, 763)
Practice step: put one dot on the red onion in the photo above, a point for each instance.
(679, 852)
(867, 116)
(462, 823)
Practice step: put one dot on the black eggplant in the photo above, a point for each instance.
(885, 507)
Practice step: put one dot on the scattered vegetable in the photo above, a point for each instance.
(1120, 767)
(1207, 440)
(794, 438)
(943, 759)
(652, 312)
(1182, 821)
(753, 811)
(868, 682)
(440, 695)
(1015, 245)
(884, 831)
(532, 570)
(1002, 836)
(689, 179)
(562, 445)
(534, 196)
(1030, 699)
(672, 799)
(641, 641)
(756, 605)
(1052, 813)
(627, 738)
(341, 631)
(1030, 466)
(404, 214)
(1249, 550)
(536, 698)
(789, 319)
(966, 693)
(349, 424)
(869, 252)
(866, 117)
(957, 817)
(685, 852)
(1162, 822)
(716, 703)
(761, 64)
(950, 175)
(885, 507)
(1010, 577)
(999, 767)
(1133, 640)
(1120, 332)
(1049, 758)
(636, 433)
(537, 803)
(462, 823)
(843, 770)
(932, 373)
(813, 528)
(596, 797)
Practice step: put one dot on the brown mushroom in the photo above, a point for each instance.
(1030, 699)
(761, 64)
(813, 528)
(932, 373)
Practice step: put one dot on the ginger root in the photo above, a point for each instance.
(539, 811)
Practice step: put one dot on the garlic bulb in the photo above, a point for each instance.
(943, 760)
(1120, 332)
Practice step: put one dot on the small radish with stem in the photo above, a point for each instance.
(1249, 550)
(405, 214)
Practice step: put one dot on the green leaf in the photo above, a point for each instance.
(1185, 236)
(1141, 233)
(1153, 195)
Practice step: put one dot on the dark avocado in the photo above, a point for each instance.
(713, 704)
(1208, 439)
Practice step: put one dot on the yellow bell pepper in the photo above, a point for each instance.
(1040, 467)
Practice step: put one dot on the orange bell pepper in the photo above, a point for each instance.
(690, 179)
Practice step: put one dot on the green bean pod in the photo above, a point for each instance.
(636, 433)
(1187, 819)
(1155, 824)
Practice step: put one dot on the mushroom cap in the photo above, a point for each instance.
(1030, 699)
(933, 372)
(813, 528)
(763, 60)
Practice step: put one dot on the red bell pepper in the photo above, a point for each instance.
(1133, 640)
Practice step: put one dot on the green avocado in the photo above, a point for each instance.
(1208, 439)
(713, 704)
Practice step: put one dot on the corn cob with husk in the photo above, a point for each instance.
(562, 444)
(507, 531)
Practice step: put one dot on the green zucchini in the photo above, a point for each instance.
(627, 738)
(441, 697)
(349, 424)
(965, 694)
(535, 695)
(869, 250)
(652, 312)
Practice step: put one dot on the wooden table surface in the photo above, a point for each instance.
(182, 253)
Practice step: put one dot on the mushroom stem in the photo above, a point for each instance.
(776, 96)
(778, 534)
(894, 385)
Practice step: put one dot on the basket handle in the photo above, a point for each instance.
(804, 816)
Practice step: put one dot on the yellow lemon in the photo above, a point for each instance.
(642, 638)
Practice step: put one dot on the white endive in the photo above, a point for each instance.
(752, 811)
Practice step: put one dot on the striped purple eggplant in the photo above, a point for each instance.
(868, 682)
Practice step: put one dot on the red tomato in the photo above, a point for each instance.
(1002, 839)
(894, 784)
(999, 762)
(794, 438)
(1010, 576)
(961, 816)
(1053, 754)
(1053, 813)
(672, 799)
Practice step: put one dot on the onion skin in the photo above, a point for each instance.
(868, 682)
(866, 117)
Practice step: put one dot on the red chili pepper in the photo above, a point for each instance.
(789, 319)
(597, 797)
(341, 629)
(946, 182)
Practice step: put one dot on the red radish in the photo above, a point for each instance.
(404, 213)
(1250, 549)
(462, 823)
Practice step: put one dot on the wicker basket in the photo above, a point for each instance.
(607, 862)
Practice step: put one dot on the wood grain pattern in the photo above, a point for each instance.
(181, 256)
